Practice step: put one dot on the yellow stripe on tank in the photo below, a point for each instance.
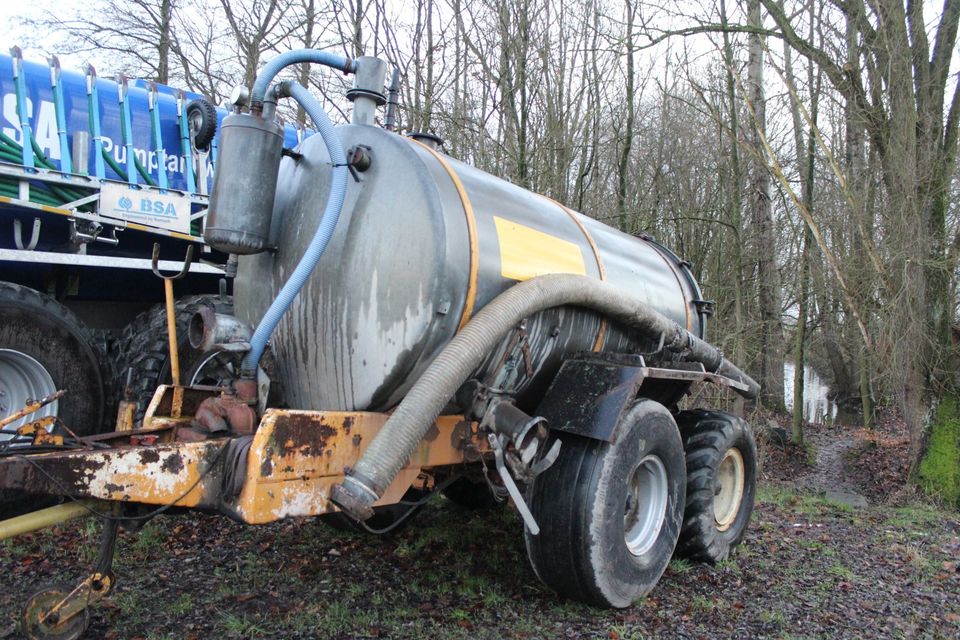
(526, 253)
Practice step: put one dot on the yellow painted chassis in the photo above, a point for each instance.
(285, 469)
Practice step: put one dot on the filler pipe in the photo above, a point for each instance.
(328, 222)
(278, 64)
(396, 441)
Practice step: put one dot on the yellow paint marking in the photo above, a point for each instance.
(526, 253)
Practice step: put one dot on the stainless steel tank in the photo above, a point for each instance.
(424, 242)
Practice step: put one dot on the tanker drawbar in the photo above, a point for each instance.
(406, 324)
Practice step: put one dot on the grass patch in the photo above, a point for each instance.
(939, 471)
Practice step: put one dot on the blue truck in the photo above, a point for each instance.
(99, 179)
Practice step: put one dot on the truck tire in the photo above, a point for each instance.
(721, 483)
(45, 347)
(143, 347)
(610, 513)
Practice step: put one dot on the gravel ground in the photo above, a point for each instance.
(810, 566)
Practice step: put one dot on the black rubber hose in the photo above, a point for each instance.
(406, 427)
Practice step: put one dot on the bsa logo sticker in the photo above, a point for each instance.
(166, 210)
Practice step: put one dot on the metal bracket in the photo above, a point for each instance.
(155, 263)
(18, 235)
(498, 456)
(84, 232)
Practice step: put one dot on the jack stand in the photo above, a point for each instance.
(62, 613)
(172, 322)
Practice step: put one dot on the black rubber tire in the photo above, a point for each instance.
(707, 437)
(143, 346)
(204, 114)
(580, 504)
(41, 327)
(382, 518)
(470, 494)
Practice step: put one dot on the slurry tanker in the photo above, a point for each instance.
(405, 324)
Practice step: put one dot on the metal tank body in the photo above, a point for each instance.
(423, 243)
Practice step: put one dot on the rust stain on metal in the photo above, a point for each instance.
(149, 456)
(173, 463)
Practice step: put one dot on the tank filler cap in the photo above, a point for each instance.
(432, 140)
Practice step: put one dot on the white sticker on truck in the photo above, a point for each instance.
(167, 210)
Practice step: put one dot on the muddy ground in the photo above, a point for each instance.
(835, 549)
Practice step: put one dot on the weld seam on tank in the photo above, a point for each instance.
(401, 434)
(321, 238)
(284, 60)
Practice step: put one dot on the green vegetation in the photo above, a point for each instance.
(939, 471)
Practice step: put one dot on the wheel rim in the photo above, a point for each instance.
(195, 120)
(646, 505)
(23, 379)
(729, 489)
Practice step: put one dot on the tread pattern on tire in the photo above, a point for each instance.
(706, 437)
(571, 499)
(208, 127)
(71, 324)
(143, 346)
(85, 407)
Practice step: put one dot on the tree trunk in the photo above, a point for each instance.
(771, 328)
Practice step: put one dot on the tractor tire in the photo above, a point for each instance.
(721, 483)
(610, 512)
(144, 348)
(45, 347)
(202, 117)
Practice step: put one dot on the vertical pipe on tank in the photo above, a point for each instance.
(367, 92)
(393, 101)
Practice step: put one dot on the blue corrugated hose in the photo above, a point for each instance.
(321, 238)
(275, 66)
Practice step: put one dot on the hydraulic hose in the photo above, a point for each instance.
(275, 66)
(331, 214)
(396, 441)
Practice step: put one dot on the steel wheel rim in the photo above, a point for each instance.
(23, 379)
(646, 505)
(195, 121)
(728, 493)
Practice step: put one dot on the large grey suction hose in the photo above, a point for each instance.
(331, 214)
(409, 423)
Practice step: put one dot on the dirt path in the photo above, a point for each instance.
(830, 474)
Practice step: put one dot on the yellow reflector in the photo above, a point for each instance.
(526, 253)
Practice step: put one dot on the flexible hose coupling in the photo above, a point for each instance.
(354, 498)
